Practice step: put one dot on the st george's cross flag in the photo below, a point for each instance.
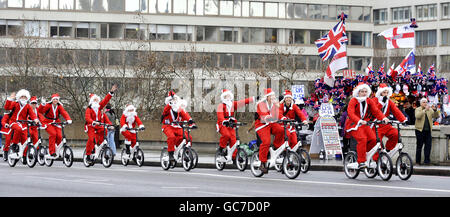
(399, 37)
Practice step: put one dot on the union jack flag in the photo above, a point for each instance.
(330, 43)
(431, 73)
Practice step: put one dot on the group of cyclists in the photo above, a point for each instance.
(270, 110)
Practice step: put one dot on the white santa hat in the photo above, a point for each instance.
(92, 97)
(129, 107)
(359, 87)
(382, 88)
(171, 95)
(226, 92)
(23, 92)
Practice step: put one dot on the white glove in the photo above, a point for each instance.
(69, 121)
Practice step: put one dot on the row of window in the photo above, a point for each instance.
(55, 29)
(235, 8)
(113, 58)
(403, 14)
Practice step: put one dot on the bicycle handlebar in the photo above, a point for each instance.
(135, 129)
(60, 123)
(30, 123)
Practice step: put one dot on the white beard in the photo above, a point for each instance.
(361, 99)
(228, 102)
(130, 117)
(23, 102)
(95, 106)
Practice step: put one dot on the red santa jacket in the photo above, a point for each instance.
(264, 113)
(356, 113)
(224, 112)
(40, 117)
(19, 113)
(134, 124)
(169, 116)
(292, 112)
(5, 120)
(388, 108)
(91, 115)
(51, 114)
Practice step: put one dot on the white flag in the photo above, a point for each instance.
(338, 62)
(399, 37)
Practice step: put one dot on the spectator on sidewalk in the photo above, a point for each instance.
(424, 125)
(409, 110)
(110, 136)
(446, 111)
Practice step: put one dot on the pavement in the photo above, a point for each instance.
(152, 158)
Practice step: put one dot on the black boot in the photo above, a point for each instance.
(264, 168)
(171, 158)
(127, 149)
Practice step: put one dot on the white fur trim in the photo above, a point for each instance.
(95, 96)
(222, 96)
(380, 90)
(360, 87)
(23, 92)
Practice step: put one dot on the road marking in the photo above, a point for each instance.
(180, 187)
(326, 183)
(223, 194)
(98, 182)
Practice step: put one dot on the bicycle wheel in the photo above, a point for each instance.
(5, 156)
(255, 164)
(241, 160)
(41, 154)
(85, 162)
(351, 165)
(370, 172)
(292, 164)
(306, 160)
(139, 157)
(12, 162)
(195, 158)
(48, 162)
(279, 162)
(107, 157)
(67, 156)
(31, 156)
(187, 158)
(384, 166)
(164, 159)
(404, 166)
(219, 165)
(124, 157)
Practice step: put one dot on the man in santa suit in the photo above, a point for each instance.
(34, 129)
(360, 110)
(291, 111)
(6, 130)
(94, 116)
(387, 107)
(225, 116)
(21, 111)
(130, 119)
(268, 111)
(172, 112)
(51, 112)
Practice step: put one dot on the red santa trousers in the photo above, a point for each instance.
(227, 136)
(94, 133)
(55, 137)
(366, 140)
(130, 137)
(174, 137)
(265, 135)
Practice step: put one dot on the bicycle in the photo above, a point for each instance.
(134, 153)
(101, 151)
(304, 155)
(61, 150)
(15, 152)
(404, 164)
(290, 161)
(183, 153)
(241, 156)
(382, 167)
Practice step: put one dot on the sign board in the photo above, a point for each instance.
(330, 136)
(349, 74)
(326, 137)
(298, 91)
(326, 109)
